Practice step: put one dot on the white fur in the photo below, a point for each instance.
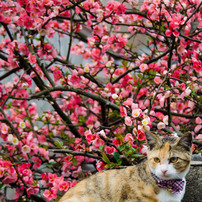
(164, 196)
(171, 173)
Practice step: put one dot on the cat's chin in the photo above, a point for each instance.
(165, 177)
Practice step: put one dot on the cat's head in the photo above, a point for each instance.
(169, 157)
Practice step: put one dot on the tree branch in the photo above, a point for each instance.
(78, 91)
(75, 153)
(9, 73)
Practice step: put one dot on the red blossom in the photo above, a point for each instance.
(140, 135)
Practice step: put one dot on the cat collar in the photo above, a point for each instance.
(172, 186)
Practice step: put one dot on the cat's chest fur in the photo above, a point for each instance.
(165, 196)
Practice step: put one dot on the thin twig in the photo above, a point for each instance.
(75, 153)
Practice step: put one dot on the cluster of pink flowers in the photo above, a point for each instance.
(20, 175)
(54, 183)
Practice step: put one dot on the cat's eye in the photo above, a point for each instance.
(173, 159)
(157, 160)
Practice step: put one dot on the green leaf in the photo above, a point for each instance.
(136, 155)
(56, 123)
(102, 147)
(140, 76)
(9, 105)
(125, 62)
(45, 146)
(59, 144)
(105, 158)
(116, 155)
(74, 161)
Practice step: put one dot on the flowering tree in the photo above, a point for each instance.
(98, 110)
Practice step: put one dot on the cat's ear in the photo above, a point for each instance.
(186, 141)
(152, 139)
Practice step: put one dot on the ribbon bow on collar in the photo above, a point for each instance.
(172, 186)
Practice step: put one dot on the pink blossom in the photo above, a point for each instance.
(44, 153)
(187, 91)
(1, 172)
(143, 67)
(27, 172)
(128, 102)
(144, 149)
(32, 58)
(57, 75)
(98, 142)
(165, 119)
(146, 121)
(136, 113)
(198, 120)
(140, 135)
(28, 22)
(74, 78)
(52, 177)
(4, 128)
(197, 128)
(10, 178)
(34, 147)
(161, 125)
(89, 136)
(199, 137)
(116, 141)
(44, 176)
(180, 49)
(37, 162)
(48, 47)
(109, 150)
(22, 2)
(50, 194)
(115, 6)
(31, 191)
(162, 100)
(157, 80)
(120, 9)
(182, 86)
(75, 173)
(26, 149)
(128, 121)
(100, 165)
(63, 185)
(129, 138)
(168, 32)
(41, 138)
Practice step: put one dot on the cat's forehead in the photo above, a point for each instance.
(165, 149)
(165, 144)
(170, 139)
(162, 151)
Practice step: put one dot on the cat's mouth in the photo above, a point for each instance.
(165, 177)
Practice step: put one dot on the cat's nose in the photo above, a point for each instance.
(164, 171)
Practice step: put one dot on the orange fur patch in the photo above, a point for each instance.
(164, 152)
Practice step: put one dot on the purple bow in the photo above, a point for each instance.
(172, 186)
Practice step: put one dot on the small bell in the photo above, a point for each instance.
(169, 190)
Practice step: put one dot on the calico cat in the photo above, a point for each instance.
(161, 178)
